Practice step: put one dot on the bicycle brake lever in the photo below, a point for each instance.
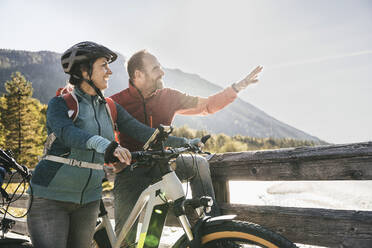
(132, 166)
(135, 165)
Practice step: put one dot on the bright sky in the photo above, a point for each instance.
(317, 55)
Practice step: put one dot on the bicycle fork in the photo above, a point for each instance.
(156, 198)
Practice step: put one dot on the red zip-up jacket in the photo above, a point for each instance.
(164, 104)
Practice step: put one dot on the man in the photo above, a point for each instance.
(149, 102)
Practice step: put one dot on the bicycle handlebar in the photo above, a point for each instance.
(167, 153)
(8, 162)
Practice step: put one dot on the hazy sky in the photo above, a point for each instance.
(317, 55)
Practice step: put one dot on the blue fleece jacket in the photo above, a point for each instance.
(85, 139)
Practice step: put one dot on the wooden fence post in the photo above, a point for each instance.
(222, 190)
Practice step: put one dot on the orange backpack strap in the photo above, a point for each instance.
(65, 90)
(113, 115)
(112, 110)
(72, 104)
(60, 91)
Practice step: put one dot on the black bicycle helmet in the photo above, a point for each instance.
(85, 51)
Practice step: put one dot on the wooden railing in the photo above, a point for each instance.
(324, 227)
(315, 226)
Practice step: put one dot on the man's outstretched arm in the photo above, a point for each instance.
(220, 100)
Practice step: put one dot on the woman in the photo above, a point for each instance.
(66, 197)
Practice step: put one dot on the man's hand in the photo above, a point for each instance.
(196, 142)
(250, 79)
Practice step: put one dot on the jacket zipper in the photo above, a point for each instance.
(144, 106)
(94, 153)
(86, 185)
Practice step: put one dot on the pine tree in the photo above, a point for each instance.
(23, 119)
(2, 127)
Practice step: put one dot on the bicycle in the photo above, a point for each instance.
(166, 193)
(8, 165)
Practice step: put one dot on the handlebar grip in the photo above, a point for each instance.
(109, 153)
(136, 155)
(205, 138)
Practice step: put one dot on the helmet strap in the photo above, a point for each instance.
(98, 91)
(91, 83)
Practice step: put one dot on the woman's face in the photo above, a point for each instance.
(101, 73)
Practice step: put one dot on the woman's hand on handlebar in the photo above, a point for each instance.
(123, 154)
(124, 157)
(115, 153)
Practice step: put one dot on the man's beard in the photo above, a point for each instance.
(159, 84)
(154, 84)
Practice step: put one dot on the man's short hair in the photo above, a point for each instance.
(136, 63)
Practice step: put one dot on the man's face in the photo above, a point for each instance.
(153, 73)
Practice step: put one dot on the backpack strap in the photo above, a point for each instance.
(65, 90)
(72, 104)
(111, 107)
(110, 104)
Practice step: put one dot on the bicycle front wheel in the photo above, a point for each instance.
(239, 234)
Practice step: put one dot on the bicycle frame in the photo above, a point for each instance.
(155, 198)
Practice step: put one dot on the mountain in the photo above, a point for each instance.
(44, 70)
